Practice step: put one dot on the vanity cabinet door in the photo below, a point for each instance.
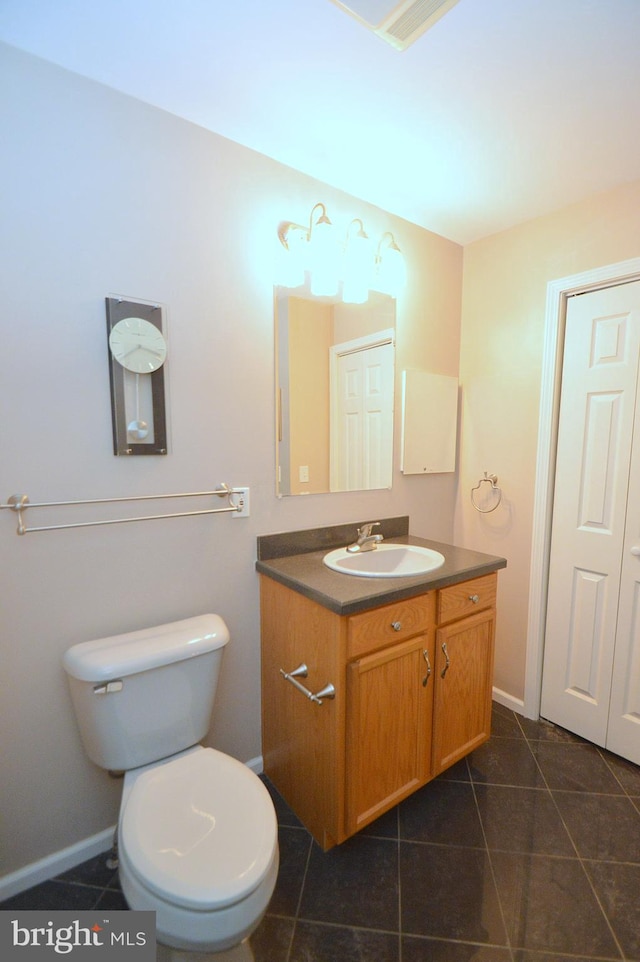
(389, 717)
(463, 688)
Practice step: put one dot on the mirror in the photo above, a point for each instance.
(335, 366)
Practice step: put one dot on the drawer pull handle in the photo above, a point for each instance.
(425, 655)
(447, 662)
(301, 672)
(396, 625)
(474, 598)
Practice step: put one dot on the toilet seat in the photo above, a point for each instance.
(200, 830)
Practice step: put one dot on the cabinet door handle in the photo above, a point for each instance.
(474, 598)
(396, 625)
(425, 655)
(447, 662)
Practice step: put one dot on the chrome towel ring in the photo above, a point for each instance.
(493, 481)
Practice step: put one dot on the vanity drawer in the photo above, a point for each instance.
(389, 624)
(466, 598)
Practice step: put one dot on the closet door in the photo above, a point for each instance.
(595, 435)
(623, 733)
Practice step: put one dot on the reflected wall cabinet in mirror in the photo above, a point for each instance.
(335, 365)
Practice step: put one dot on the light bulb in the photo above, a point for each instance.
(391, 270)
(292, 259)
(323, 259)
(357, 269)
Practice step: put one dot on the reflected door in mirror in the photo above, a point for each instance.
(362, 413)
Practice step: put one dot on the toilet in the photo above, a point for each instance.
(197, 831)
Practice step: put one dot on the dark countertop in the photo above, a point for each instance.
(346, 594)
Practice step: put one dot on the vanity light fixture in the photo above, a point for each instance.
(390, 268)
(314, 250)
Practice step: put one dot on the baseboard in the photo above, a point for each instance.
(256, 764)
(55, 864)
(508, 701)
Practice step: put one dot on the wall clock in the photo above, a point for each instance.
(137, 354)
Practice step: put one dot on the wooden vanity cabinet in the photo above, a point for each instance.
(400, 714)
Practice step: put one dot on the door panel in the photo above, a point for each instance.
(603, 424)
(587, 634)
(623, 735)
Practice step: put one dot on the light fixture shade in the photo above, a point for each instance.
(357, 266)
(391, 270)
(323, 258)
(292, 263)
(354, 291)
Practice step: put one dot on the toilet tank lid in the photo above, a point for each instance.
(121, 655)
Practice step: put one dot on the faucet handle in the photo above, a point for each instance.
(366, 529)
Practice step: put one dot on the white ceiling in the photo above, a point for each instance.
(502, 111)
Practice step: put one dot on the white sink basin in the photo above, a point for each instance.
(385, 561)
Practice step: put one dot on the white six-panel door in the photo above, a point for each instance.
(362, 416)
(591, 678)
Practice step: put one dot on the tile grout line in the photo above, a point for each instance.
(299, 902)
(399, 869)
(603, 755)
(575, 848)
(491, 866)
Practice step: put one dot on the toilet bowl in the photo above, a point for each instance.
(197, 831)
(198, 846)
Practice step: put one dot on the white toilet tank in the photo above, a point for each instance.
(147, 694)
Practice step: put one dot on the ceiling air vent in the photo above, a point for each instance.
(397, 23)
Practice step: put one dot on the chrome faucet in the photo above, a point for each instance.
(366, 540)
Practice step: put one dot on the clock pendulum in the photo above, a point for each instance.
(138, 428)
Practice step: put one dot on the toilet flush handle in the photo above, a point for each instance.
(635, 550)
(108, 688)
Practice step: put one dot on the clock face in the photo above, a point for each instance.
(138, 345)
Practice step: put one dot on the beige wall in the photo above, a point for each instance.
(351, 321)
(310, 337)
(105, 195)
(504, 293)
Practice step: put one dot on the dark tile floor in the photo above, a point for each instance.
(527, 851)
